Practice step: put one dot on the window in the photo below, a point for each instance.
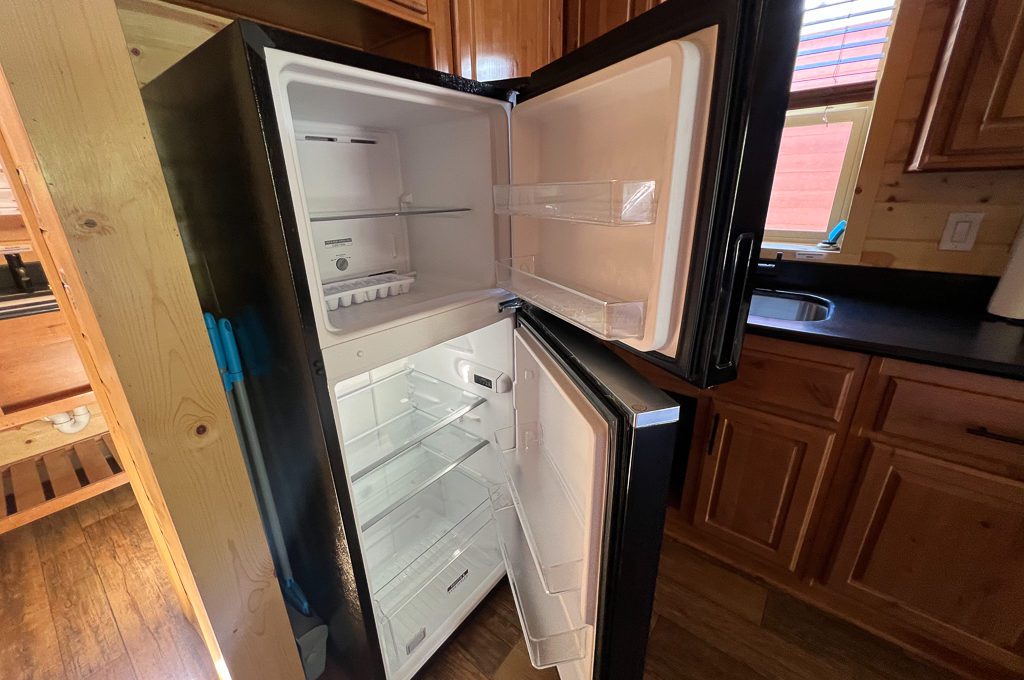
(842, 46)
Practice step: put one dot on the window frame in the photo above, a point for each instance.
(859, 114)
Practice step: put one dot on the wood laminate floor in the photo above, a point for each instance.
(710, 623)
(84, 595)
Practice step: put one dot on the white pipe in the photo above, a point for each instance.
(70, 422)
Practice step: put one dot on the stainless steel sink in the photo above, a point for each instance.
(777, 304)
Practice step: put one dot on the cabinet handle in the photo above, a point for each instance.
(981, 431)
(711, 437)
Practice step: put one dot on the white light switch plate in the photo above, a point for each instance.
(961, 230)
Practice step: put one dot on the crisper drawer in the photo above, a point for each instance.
(424, 595)
(553, 627)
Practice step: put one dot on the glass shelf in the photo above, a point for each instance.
(606, 318)
(552, 626)
(380, 491)
(619, 203)
(412, 529)
(420, 405)
(417, 601)
(401, 211)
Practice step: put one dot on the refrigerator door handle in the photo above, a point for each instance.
(730, 333)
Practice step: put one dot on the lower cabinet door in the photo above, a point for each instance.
(939, 546)
(760, 482)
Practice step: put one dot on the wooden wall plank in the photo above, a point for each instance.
(898, 217)
(81, 143)
(925, 222)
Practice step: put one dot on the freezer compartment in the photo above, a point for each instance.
(389, 175)
(423, 596)
(386, 417)
(550, 524)
(552, 626)
(389, 486)
(603, 315)
(612, 202)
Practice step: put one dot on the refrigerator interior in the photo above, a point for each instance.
(405, 207)
(453, 480)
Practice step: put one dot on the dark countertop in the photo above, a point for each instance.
(932, 318)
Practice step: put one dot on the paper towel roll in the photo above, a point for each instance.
(1008, 300)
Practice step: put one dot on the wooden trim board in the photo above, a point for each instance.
(77, 135)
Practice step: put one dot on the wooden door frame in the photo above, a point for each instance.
(74, 132)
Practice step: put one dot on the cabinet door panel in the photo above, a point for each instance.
(498, 39)
(938, 544)
(760, 481)
(975, 113)
(588, 19)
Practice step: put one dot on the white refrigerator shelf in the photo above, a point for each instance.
(425, 406)
(389, 486)
(371, 213)
(412, 530)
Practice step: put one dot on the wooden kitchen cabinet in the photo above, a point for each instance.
(974, 114)
(768, 452)
(938, 546)
(588, 19)
(760, 482)
(499, 39)
(888, 492)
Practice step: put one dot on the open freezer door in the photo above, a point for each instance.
(641, 168)
(582, 508)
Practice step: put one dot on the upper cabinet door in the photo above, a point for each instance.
(974, 117)
(629, 160)
(581, 513)
(496, 40)
(587, 19)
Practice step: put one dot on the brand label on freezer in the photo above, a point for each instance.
(335, 242)
(460, 579)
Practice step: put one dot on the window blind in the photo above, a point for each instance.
(842, 43)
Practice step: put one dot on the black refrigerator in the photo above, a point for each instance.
(426, 275)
